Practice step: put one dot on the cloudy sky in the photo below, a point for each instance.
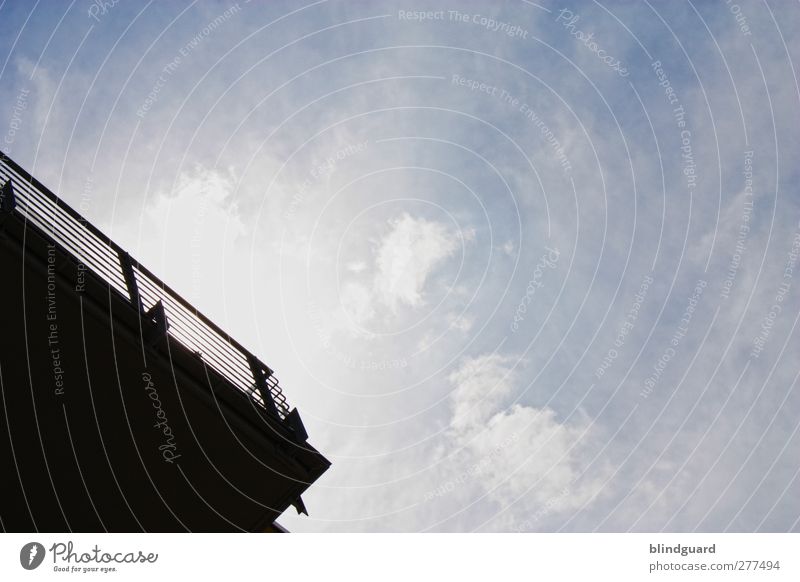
(521, 267)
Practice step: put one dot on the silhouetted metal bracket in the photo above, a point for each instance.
(294, 422)
(7, 200)
(130, 281)
(260, 379)
(300, 506)
(156, 314)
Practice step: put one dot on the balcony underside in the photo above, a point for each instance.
(79, 445)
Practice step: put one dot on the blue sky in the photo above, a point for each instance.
(515, 263)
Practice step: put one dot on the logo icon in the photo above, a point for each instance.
(31, 555)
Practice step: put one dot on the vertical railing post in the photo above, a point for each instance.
(156, 315)
(130, 280)
(296, 424)
(7, 200)
(261, 384)
(187, 322)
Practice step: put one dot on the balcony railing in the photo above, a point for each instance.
(38, 206)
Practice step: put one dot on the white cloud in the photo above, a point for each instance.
(407, 256)
(522, 455)
(462, 323)
(482, 386)
(357, 302)
(44, 88)
(265, 289)
(190, 233)
(405, 259)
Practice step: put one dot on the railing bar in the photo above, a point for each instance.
(196, 328)
(83, 254)
(219, 365)
(219, 362)
(41, 208)
(147, 295)
(192, 328)
(235, 375)
(55, 226)
(226, 371)
(191, 309)
(214, 344)
(219, 353)
(46, 206)
(25, 177)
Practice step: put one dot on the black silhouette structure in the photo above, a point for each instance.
(123, 408)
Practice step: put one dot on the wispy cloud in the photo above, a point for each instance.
(406, 257)
(314, 179)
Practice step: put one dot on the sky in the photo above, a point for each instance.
(521, 266)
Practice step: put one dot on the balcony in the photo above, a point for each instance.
(92, 341)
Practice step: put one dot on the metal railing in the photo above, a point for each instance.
(147, 293)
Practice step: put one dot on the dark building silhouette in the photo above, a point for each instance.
(123, 408)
